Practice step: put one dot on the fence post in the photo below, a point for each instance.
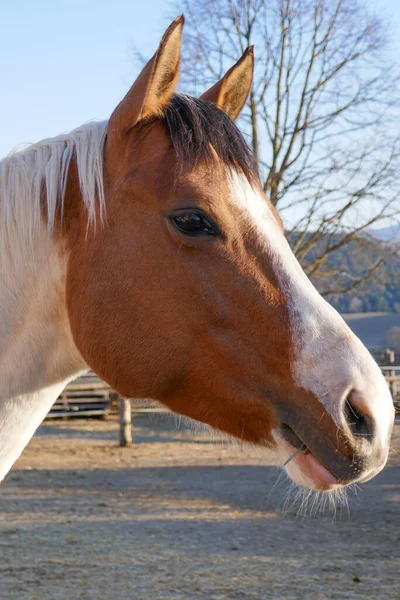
(125, 422)
(125, 419)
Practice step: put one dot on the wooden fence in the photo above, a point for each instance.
(88, 396)
(392, 376)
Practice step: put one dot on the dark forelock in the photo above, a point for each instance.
(197, 128)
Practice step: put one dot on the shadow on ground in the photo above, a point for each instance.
(183, 531)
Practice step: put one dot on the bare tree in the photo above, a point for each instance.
(321, 117)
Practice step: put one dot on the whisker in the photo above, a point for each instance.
(351, 409)
(281, 475)
(308, 503)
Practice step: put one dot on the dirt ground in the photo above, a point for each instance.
(182, 516)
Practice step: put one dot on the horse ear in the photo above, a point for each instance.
(155, 84)
(230, 93)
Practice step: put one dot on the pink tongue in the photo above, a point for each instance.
(320, 474)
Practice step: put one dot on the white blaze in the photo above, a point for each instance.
(328, 359)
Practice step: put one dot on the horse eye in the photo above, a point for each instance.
(194, 223)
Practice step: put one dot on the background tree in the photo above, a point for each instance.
(322, 116)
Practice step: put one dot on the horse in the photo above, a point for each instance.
(145, 249)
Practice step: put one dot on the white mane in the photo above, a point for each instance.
(43, 167)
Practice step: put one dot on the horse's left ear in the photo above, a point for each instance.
(230, 93)
(154, 86)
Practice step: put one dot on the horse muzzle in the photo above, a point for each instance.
(324, 455)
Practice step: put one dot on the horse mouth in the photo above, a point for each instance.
(291, 437)
(313, 473)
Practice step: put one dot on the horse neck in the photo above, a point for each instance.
(37, 352)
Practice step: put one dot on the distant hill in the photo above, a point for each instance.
(380, 293)
(389, 234)
(373, 328)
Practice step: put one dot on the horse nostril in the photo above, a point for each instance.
(360, 423)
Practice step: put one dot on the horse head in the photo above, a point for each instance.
(190, 294)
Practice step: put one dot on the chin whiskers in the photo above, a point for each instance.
(306, 503)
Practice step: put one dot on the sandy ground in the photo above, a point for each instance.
(180, 516)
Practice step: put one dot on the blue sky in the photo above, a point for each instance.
(65, 62)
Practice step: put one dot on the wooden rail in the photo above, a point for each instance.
(88, 396)
(392, 376)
